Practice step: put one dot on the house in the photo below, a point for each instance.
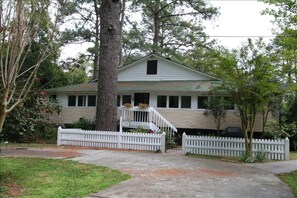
(175, 93)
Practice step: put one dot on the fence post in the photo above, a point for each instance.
(163, 142)
(59, 136)
(287, 149)
(184, 143)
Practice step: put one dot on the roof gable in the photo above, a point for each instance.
(167, 70)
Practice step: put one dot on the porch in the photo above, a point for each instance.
(146, 118)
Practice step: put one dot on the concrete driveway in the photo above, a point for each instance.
(175, 175)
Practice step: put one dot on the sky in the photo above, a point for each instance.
(238, 20)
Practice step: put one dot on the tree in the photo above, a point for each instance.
(285, 17)
(171, 27)
(84, 19)
(249, 78)
(110, 40)
(284, 13)
(82, 22)
(216, 109)
(20, 28)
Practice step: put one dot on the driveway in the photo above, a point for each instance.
(175, 175)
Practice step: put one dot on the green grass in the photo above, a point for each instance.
(291, 180)
(27, 145)
(293, 155)
(221, 158)
(55, 178)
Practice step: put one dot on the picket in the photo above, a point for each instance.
(234, 147)
(109, 139)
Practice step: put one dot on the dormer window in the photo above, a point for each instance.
(152, 67)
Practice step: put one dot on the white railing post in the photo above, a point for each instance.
(163, 142)
(287, 149)
(59, 136)
(184, 143)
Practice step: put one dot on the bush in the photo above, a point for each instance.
(28, 123)
(259, 157)
(83, 123)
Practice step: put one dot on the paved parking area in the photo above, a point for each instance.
(176, 175)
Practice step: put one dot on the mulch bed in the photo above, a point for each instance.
(40, 152)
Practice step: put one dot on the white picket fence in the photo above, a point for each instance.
(234, 147)
(107, 139)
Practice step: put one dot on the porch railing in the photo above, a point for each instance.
(148, 118)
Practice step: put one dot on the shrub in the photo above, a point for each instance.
(259, 157)
(82, 123)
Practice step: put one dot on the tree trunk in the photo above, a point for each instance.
(2, 116)
(97, 42)
(106, 113)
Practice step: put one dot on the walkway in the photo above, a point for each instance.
(175, 175)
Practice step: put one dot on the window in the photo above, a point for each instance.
(151, 67)
(186, 102)
(81, 101)
(126, 99)
(173, 101)
(91, 100)
(229, 103)
(202, 100)
(71, 101)
(162, 101)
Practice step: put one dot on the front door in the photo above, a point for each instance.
(141, 116)
(141, 98)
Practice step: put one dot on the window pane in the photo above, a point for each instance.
(81, 101)
(202, 100)
(126, 99)
(152, 67)
(91, 100)
(161, 101)
(71, 101)
(186, 102)
(173, 101)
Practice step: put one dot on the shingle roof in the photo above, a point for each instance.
(183, 86)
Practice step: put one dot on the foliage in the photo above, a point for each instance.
(250, 79)
(290, 179)
(283, 130)
(216, 109)
(139, 130)
(83, 123)
(168, 28)
(31, 121)
(285, 18)
(24, 25)
(55, 178)
(247, 158)
(284, 12)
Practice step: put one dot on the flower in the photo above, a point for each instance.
(143, 105)
(128, 105)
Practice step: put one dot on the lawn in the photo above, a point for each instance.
(34, 177)
(293, 155)
(291, 180)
